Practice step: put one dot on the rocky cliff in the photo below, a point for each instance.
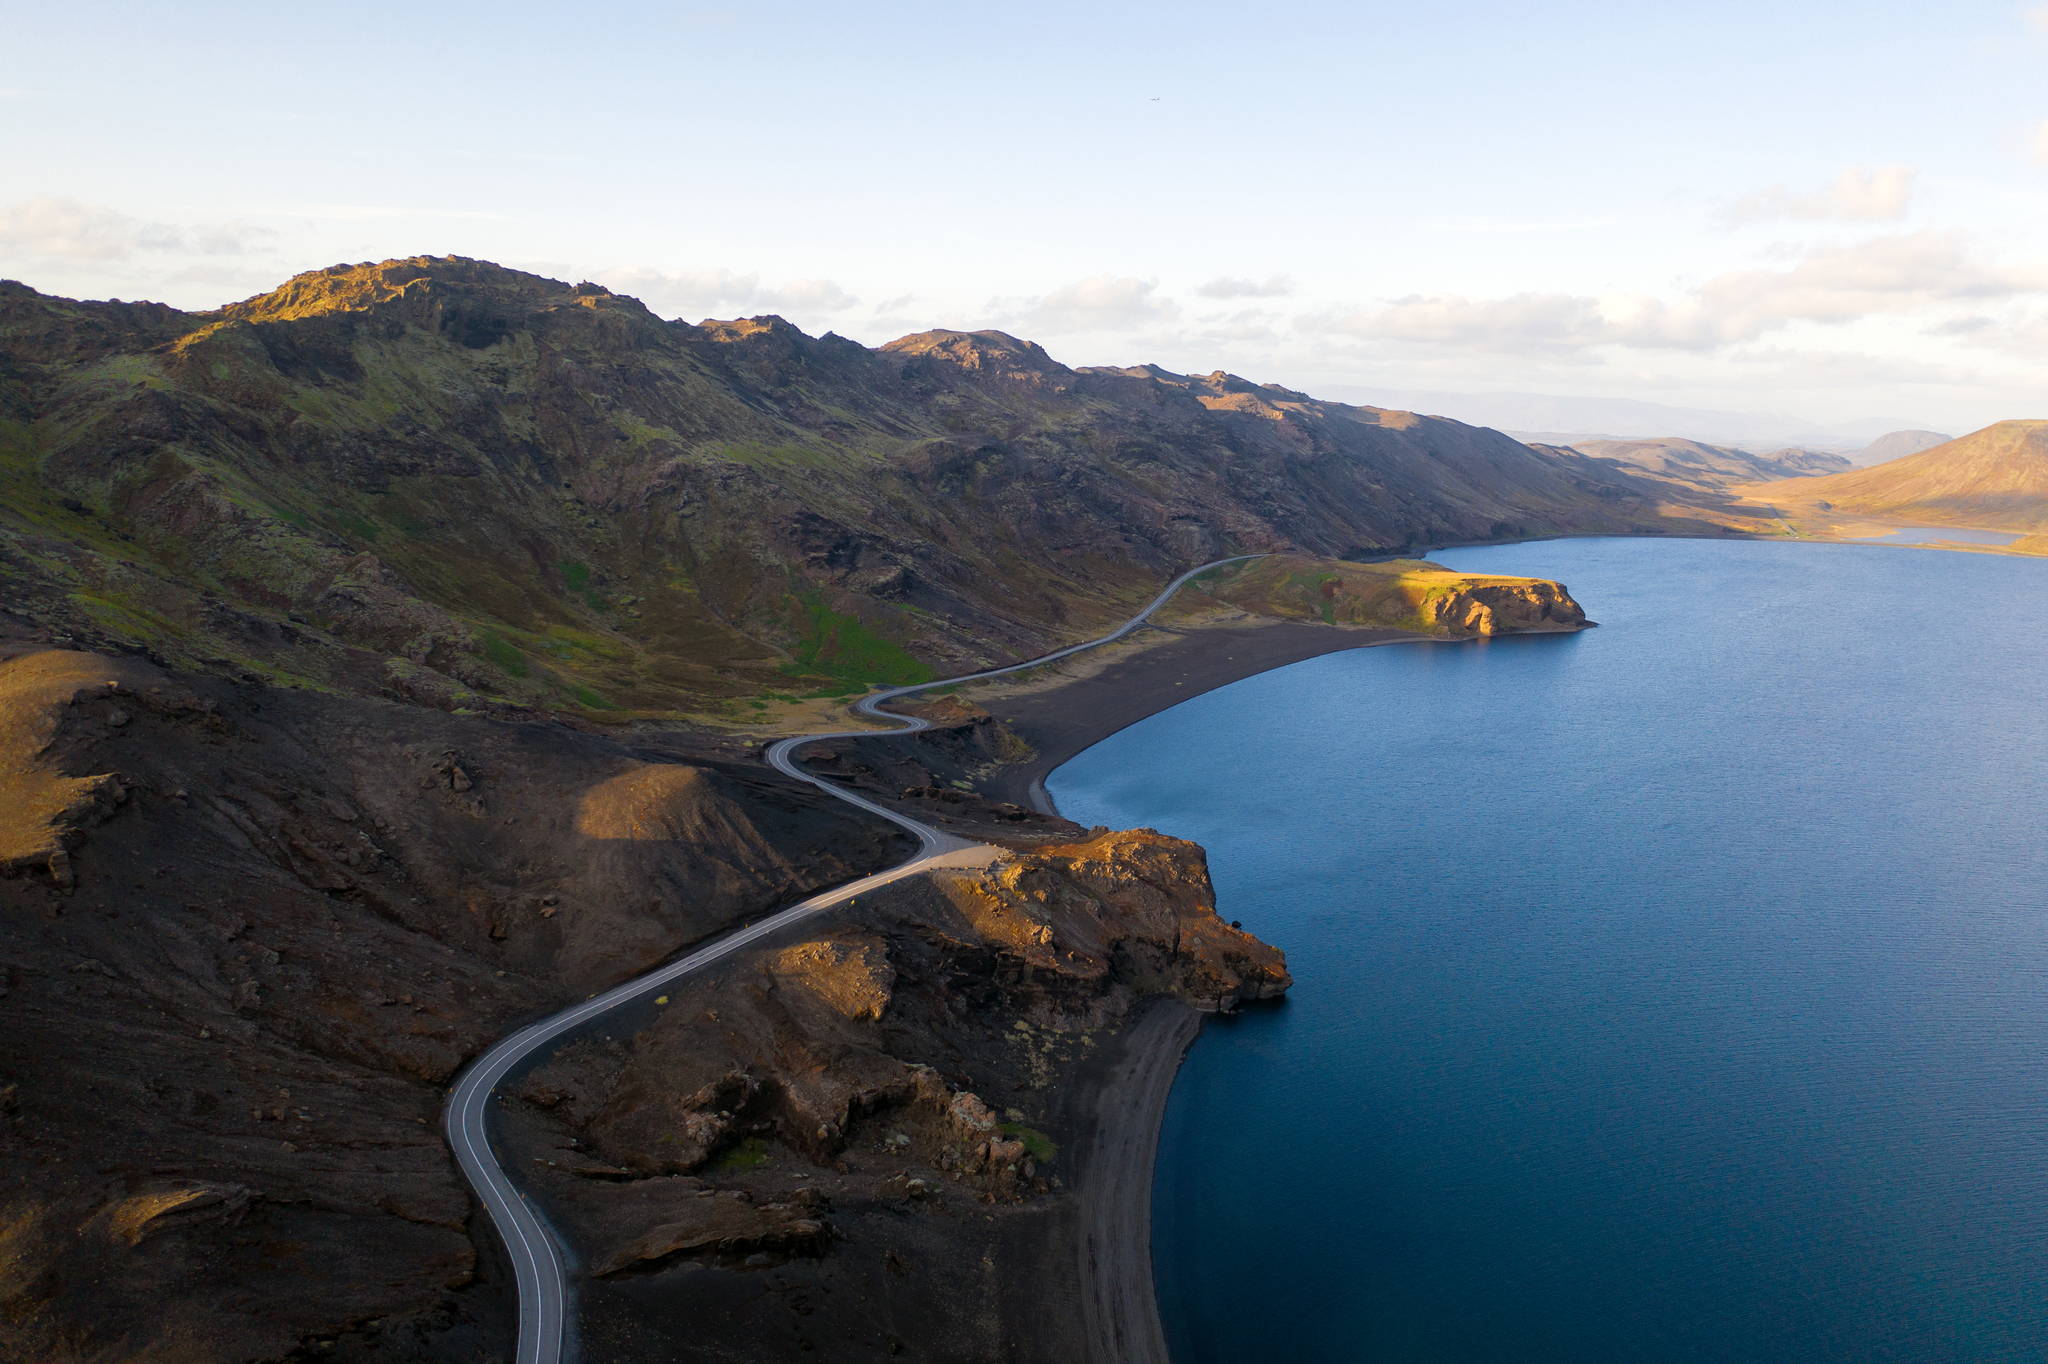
(875, 1129)
(1405, 594)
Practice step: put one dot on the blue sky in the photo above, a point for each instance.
(1826, 210)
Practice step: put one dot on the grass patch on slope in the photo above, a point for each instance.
(841, 647)
(500, 651)
(1037, 1145)
(748, 1155)
(576, 577)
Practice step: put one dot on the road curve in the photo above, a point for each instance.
(536, 1259)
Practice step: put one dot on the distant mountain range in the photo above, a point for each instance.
(1704, 466)
(1897, 444)
(1994, 479)
(1552, 419)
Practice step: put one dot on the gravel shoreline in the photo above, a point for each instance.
(1119, 1307)
(1091, 698)
(1059, 716)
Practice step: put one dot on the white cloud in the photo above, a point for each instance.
(2020, 334)
(694, 294)
(1251, 324)
(1504, 225)
(361, 212)
(1520, 323)
(1276, 286)
(1105, 303)
(2037, 17)
(1904, 273)
(236, 237)
(1860, 194)
(68, 230)
(1847, 369)
(813, 296)
(2041, 145)
(51, 228)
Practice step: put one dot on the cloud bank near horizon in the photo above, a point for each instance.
(1748, 229)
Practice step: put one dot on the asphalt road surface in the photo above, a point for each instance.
(536, 1259)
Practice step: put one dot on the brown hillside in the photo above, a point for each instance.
(444, 481)
(1696, 464)
(1996, 478)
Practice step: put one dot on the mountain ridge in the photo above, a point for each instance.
(470, 486)
(1995, 479)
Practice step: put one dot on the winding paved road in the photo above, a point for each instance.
(536, 1259)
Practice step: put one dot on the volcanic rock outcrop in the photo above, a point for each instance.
(886, 1122)
(801, 1043)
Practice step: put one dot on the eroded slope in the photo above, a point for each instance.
(246, 938)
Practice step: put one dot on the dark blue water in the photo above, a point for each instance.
(1673, 991)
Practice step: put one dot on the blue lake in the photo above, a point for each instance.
(1677, 990)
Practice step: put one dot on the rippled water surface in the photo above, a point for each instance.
(1673, 991)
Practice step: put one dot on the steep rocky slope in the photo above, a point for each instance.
(472, 487)
(877, 1137)
(247, 935)
(1995, 478)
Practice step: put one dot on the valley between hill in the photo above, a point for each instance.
(1993, 479)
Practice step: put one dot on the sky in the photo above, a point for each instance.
(1831, 211)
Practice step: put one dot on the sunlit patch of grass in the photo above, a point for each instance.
(748, 1155)
(1037, 1145)
(843, 647)
(562, 640)
(589, 698)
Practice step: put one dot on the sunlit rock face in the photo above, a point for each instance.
(803, 1043)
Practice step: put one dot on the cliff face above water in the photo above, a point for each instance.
(880, 1126)
(802, 1043)
(450, 482)
(1405, 594)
